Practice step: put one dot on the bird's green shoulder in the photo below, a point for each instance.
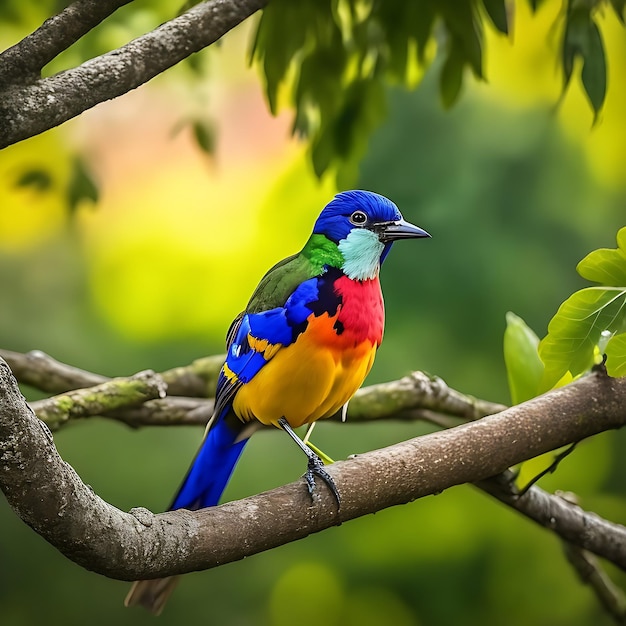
(280, 282)
(283, 279)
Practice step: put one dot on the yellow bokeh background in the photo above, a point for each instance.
(32, 214)
(523, 70)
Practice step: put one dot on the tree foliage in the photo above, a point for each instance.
(331, 60)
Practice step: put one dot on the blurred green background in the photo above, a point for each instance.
(514, 192)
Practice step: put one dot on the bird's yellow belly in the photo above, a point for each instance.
(309, 380)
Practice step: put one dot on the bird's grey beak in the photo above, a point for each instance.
(400, 229)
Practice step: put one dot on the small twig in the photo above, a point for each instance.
(170, 411)
(38, 370)
(569, 521)
(550, 469)
(417, 390)
(198, 379)
(437, 419)
(591, 573)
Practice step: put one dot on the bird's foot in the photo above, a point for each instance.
(315, 465)
(316, 468)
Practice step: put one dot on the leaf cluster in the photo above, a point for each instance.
(582, 40)
(335, 56)
(589, 324)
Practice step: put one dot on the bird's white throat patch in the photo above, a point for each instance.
(361, 251)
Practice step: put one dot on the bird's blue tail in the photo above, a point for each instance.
(214, 463)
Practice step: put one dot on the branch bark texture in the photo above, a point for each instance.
(101, 399)
(24, 61)
(29, 109)
(567, 519)
(50, 497)
(39, 370)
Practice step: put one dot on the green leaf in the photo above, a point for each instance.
(37, 179)
(606, 266)
(616, 355)
(524, 368)
(583, 39)
(574, 41)
(280, 37)
(464, 29)
(496, 9)
(451, 79)
(574, 332)
(344, 137)
(81, 186)
(422, 28)
(618, 7)
(322, 152)
(205, 135)
(401, 23)
(320, 80)
(362, 109)
(594, 69)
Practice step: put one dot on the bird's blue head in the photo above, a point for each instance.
(363, 224)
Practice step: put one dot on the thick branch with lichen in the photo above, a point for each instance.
(48, 495)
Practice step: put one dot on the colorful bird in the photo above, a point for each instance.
(298, 353)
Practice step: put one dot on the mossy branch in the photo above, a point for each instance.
(101, 399)
(415, 396)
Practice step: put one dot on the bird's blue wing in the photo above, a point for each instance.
(258, 336)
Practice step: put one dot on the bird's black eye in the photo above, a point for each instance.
(358, 218)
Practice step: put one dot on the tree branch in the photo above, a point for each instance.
(590, 573)
(416, 396)
(418, 390)
(50, 497)
(567, 519)
(38, 370)
(170, 411)
(27, 110)
(24, 61)
(101, 399)
(41, 371)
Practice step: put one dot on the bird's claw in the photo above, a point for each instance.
(316, 468)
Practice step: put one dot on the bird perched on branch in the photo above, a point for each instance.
(298, 353)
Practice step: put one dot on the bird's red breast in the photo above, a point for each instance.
(361, 312)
